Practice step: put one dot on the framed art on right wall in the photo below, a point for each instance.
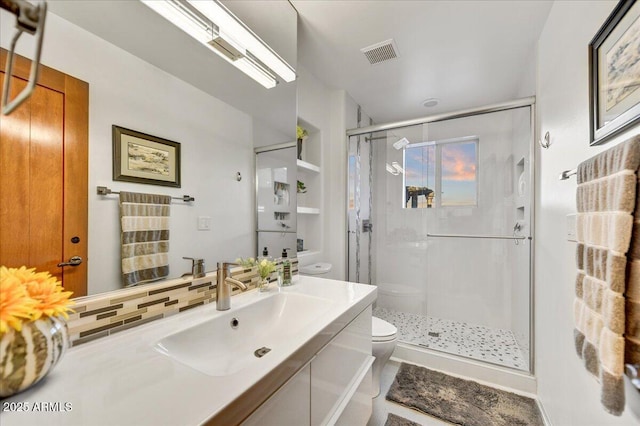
(614, 73)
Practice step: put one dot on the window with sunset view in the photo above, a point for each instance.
(448, 168)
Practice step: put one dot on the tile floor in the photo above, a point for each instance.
(382, 407)
(492, 345)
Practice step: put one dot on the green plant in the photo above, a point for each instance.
(301, 188)
(301, 133)
(265, 268)
(249, 262)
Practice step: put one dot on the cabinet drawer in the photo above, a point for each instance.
(289, 406)
(337, 366)
(358, 410)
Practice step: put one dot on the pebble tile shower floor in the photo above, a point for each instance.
(492, 345)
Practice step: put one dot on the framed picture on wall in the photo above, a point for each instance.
(614, 77)
(142, 158)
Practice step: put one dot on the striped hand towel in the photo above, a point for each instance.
(607, 303)
(144, 219)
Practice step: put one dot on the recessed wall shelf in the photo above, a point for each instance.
(303, 165)
(308, 210)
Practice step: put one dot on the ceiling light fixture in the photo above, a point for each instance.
(391, 170)
(430, 102)
(216, 27)
(401, 143)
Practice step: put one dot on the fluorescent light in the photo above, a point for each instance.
(401, 143)
(240, 33)
(181, 17)
(253, 71)
(391, 170)
(217, 37)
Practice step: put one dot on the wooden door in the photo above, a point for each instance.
(43, 175)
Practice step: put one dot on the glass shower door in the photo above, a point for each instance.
(439, 220)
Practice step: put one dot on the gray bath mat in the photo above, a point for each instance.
(459, 401)
(393, 420)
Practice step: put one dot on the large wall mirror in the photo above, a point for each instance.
(147, 75)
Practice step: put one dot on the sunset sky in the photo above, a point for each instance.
(458, 171)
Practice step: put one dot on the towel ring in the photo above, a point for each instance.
(547, 141)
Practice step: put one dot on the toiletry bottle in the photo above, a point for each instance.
(286, 268)
(265, 254)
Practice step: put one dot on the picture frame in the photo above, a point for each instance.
(142, 158)
(614, 73)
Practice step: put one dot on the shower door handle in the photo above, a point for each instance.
(367, 225)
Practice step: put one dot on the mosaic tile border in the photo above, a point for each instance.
(105, 314)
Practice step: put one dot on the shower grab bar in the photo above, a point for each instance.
(493, 237)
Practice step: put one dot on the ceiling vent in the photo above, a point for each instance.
(381, 52)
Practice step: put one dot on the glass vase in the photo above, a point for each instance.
(263, 284)
(30, 354)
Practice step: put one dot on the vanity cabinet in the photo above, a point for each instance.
(291, 405)
(333, 389)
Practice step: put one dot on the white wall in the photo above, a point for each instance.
(569, 394)
(216, 143)
(313, 109)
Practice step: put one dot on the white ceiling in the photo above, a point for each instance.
(135, 28)
(466, 53)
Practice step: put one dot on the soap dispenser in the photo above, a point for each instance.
(286, 268)
(265, 254)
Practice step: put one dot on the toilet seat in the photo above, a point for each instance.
(382, 331)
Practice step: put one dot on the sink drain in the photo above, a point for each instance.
(261, 352)
(234, 323)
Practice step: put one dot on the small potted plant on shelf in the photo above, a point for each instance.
(301, 188)
(301, 134)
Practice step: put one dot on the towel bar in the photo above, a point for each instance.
(103, 190)
(568, 173)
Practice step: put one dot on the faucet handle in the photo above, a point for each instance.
(226, 265)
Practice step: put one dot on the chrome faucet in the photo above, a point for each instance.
(223, 289)
(197, 267)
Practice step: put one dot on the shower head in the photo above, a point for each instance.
(401, 143)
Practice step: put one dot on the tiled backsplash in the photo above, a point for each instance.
(104, 314)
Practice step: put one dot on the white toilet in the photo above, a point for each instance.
(383, 334)
(383, 342)
(319, 268)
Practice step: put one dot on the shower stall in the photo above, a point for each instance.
(440, 219)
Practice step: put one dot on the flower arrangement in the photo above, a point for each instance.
(265, 268)
(249, 262)
(27, 295)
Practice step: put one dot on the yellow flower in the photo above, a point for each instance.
(15, 303)
(28, 295)
(52, 301)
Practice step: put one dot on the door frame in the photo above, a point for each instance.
(75, 163)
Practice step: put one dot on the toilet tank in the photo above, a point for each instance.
(401, 298)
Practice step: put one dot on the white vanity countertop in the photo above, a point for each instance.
(123, 380)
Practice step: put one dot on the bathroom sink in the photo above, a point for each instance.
(243, 337)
